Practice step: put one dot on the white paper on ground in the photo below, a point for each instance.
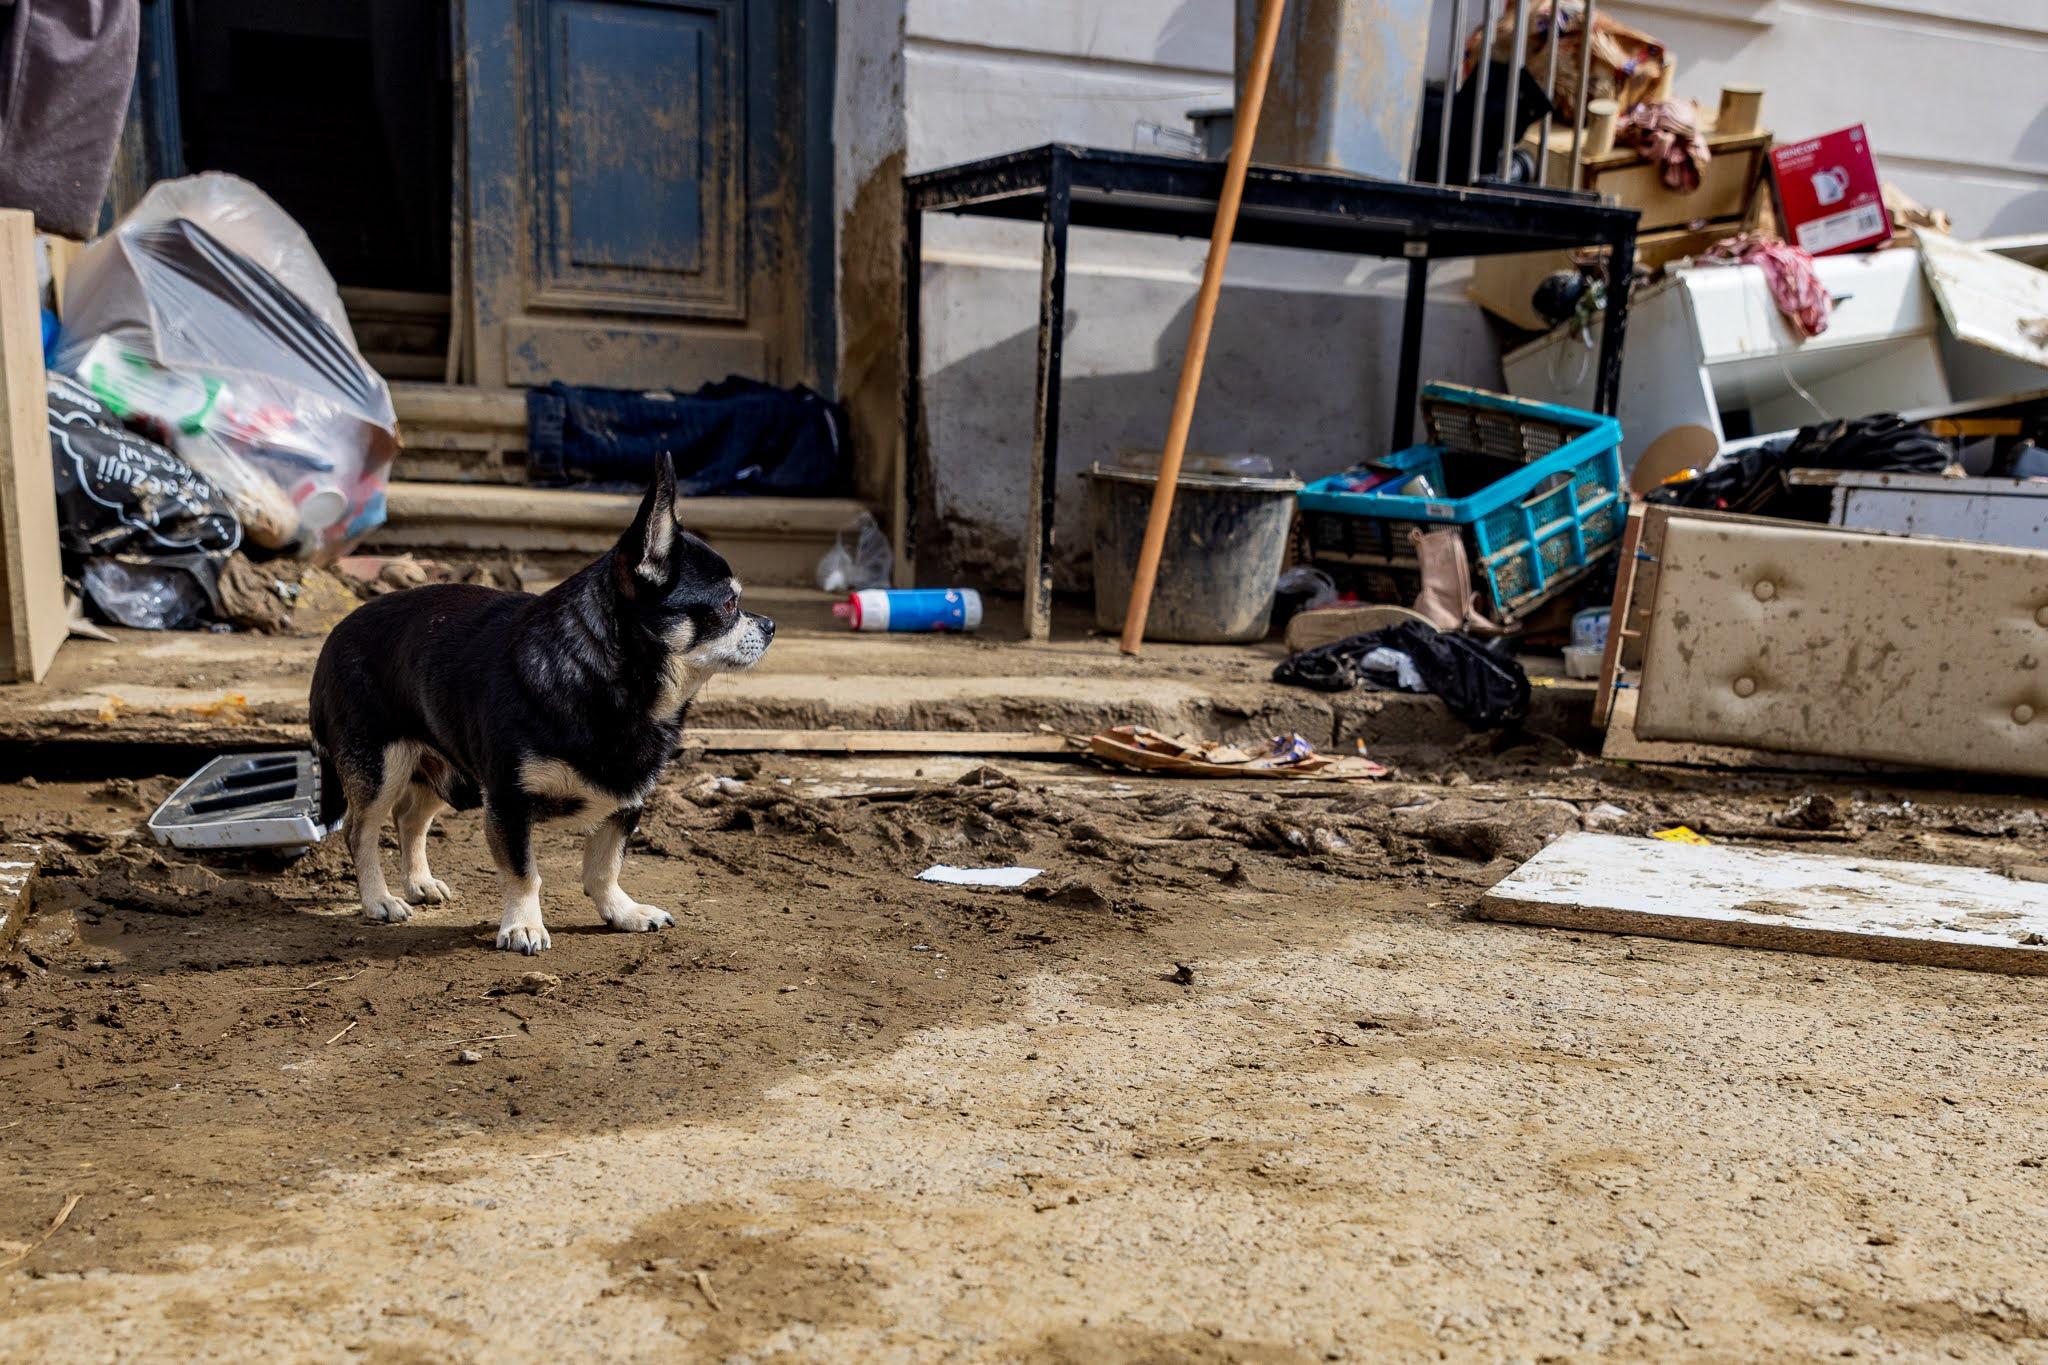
(978, 876)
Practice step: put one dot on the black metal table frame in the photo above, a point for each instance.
(1062, 186)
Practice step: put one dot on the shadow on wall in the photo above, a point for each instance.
(1305, 378)
(2026, 212)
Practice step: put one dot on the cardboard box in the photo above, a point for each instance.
(1502, 284)
(1674, 225)
(1829, 199)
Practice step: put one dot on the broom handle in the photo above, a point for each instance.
(1247, 128)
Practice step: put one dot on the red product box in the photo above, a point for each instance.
(1828, 195)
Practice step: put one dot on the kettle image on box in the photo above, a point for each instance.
(1830, 185)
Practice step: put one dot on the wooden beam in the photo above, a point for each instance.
(878, 741)
(63, 255)
(32, 615)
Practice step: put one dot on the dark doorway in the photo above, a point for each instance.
(340, 111)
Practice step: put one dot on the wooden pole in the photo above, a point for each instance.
(1147, 575)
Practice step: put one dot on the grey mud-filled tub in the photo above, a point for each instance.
(1225, 545)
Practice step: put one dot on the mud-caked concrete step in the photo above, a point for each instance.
(240, 691)
(1010, 703)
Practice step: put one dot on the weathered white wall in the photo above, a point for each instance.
(1302, 364)
(867, 191)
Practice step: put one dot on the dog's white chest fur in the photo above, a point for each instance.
(680, 682)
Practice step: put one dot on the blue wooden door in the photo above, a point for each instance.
(640, 191)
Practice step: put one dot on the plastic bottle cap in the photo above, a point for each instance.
(322, 509)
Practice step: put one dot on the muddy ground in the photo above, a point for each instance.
(1239, 1079)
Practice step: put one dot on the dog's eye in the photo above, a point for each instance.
(730, 605)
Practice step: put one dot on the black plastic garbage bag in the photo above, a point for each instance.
(1882, 441)
(1483, 687)
(734, 436)
(1754, 480)
(131, 515)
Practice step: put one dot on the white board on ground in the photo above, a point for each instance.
(1756, 898)
(979, 876)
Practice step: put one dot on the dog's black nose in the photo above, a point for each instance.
(767, 628)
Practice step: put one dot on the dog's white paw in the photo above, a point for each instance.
(633, 918)
(525, 938)
(387, 910)
(428, 891)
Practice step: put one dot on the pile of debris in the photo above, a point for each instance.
(207, 399)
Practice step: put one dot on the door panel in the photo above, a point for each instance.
(641, 190)
(636, 184)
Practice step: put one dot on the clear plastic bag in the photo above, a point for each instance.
(207, 316)
(867, 562)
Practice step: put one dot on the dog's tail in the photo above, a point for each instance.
(333, 801)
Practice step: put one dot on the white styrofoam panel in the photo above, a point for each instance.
(1843, 381)
(1879, 296)
(1710, 340)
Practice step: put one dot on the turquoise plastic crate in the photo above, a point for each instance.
(1530, 534)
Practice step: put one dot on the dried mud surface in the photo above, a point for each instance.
(1237, 1080)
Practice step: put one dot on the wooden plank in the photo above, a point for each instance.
(1618, 615)
(1503, 284)
(32, 615)
(63, 255)
(1790, 902)
(879, 741)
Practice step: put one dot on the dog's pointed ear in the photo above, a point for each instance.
(644, 550)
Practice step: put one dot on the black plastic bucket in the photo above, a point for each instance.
(1225, 544)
